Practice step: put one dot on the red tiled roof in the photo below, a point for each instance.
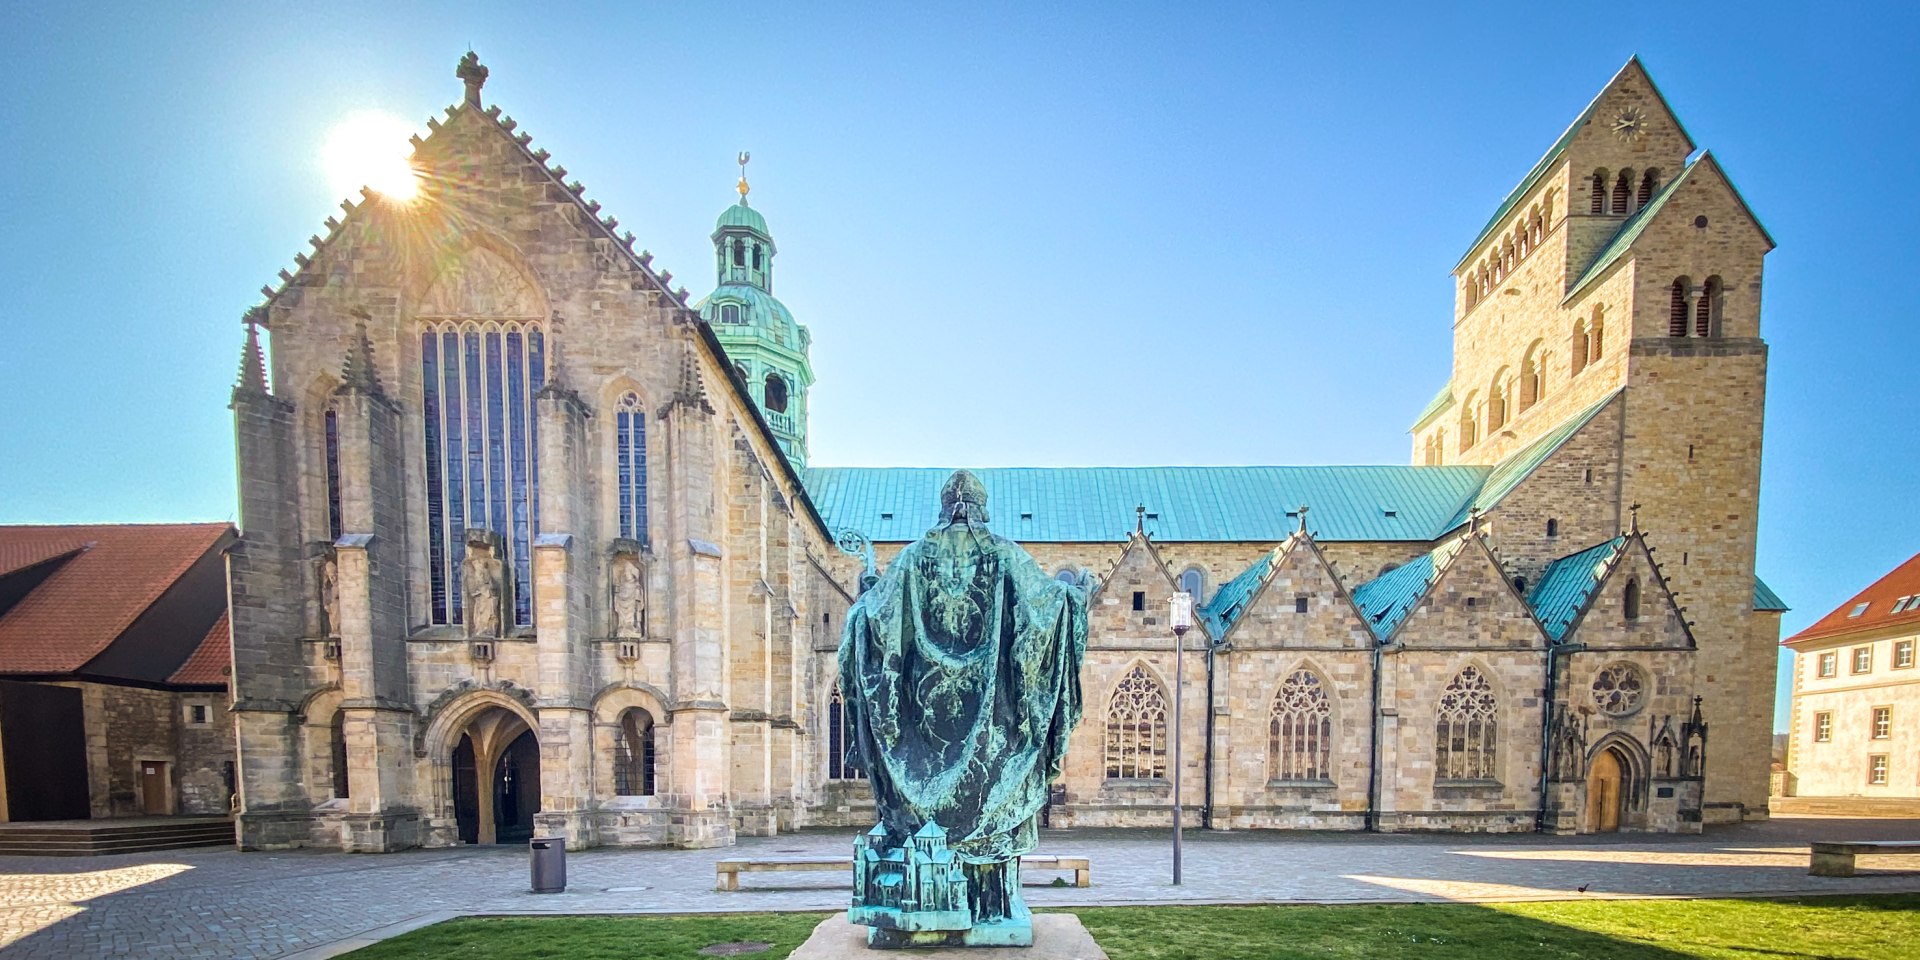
(1903, 584)
(78, 611)
(15, 557)
(210, 661)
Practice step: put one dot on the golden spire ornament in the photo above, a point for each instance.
(743, 188)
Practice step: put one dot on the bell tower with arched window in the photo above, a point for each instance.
(768, 348)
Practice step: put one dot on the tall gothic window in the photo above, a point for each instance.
(337, 752)
(1466, 736)
(633, 754)
(482, 451)
(630, 423)
(1300, 730)
(841, 763)
(1137, 728)
(332, 424)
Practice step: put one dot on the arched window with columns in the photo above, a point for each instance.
(1622, 191)
(1470, 422)
(633, 754)
(1497, 401)
(1136, 745)
(1467, 731)
(1300, 729)
(1577, 347)
(1677, 307)
(1649, 182)
(1532, 383)
(1706, 310)
(1596, 332)
(1598, 188)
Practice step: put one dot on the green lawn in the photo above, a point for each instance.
(1827, 928)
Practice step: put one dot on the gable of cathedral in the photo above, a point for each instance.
(1296, 602)
(1611, 596)
(1468, 604)
(1129, 607)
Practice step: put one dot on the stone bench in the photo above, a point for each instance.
(726, 873)
(1836, 859)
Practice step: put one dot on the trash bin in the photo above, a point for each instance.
(548, 857)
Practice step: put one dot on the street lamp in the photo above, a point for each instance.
(1182, 603)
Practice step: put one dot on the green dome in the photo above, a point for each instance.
(760, 312)
(741, 216)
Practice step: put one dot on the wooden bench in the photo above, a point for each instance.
(726, 873)
(1836, 859)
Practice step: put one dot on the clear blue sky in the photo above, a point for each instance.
(1171, 235)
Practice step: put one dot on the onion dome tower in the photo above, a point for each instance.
(768, 349)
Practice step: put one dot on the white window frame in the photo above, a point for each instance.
(1828, 665)
(1902, 654)
(1823, 726)
(1881, 726)
(1879, 772)
(1859, 653)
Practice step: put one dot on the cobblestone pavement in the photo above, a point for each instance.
(218, 903)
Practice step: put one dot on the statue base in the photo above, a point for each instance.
(1056, 936)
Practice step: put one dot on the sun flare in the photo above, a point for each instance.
(370, 149)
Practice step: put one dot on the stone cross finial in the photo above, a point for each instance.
(1473, 520)
(253, 362)
(473, 75)
(1303, 519)
(1140, 519)
(1633, 514)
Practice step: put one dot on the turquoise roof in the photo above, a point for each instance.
(1508, 473)
(741, 216)
(1096, 504)
(1440, 401)
(1765, 600)
(1554, 153)
(1387, 599)
(1230, 601)
(1629, 231)
(763, 315)
(1569, 582)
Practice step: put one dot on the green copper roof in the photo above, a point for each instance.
(741, 216)
(1765, 600)
(762, 315)
(1440, 401)
(1230, 601)
(1629, 231)
(1096, 504)
(1555, 152)
(1569, 582)
(1508, 473)
(1387, 599)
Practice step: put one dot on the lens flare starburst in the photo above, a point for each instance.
(370, 149)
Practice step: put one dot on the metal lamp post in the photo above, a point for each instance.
(1182, 604)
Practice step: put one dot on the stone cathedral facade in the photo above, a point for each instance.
(530, 543)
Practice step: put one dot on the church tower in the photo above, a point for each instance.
(768, 349)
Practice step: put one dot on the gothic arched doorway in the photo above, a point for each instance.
(496, 779)
(1605, 796)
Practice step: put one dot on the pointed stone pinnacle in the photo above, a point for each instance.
(253, 362)
(358, 370)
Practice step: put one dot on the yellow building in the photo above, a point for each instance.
(1855, 741)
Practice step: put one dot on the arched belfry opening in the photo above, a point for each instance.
(496, 778)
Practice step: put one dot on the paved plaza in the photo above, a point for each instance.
(218, 903)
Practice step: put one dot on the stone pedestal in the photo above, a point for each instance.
(1056, 936)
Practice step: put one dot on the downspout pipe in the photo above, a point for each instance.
(1206, 763)
(1373, 763)
(1546, 741)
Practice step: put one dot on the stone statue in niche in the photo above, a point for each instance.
(629, 579)
(485, 580)
(329, 596)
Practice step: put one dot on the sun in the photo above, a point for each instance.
(370, 149)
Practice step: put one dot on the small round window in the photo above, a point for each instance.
(1620, 689)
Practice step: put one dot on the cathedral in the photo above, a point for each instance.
(531, 543)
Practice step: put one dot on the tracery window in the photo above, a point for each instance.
(1300, 729)
(842, 764)
(482, 451)
(332, 430)
(633, 754)
(1137, 728)
(630, 427)
(1466, 737)
(1619, 689)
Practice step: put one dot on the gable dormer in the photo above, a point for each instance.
(1130, 609)
(1611, 596)
(1296, 602)
(1469, 604)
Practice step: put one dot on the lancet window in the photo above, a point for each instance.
(630, 443)
(1466, 737)
(482, 451)
(1137, 728)
(331, 425)
(633, 754)
(1300, 729)
(337, 752)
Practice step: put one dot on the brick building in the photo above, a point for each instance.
(113, 663)
(530, 543)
